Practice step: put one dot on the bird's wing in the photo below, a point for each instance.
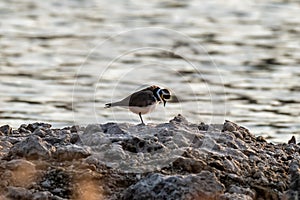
(142, 98)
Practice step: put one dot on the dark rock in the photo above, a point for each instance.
(23, 131)
(156, 186)
(75, 129)
(34, 126)
(93, 128)
(58, 137)
(203, 127)
(231, 179)
(175, 160)
(292, 140)
(74, 138)
(265, 192)
(5, 130)
(15, 132)
(294, 187)
(188, 165)
(237, 134)
(58, 182)
(44, 195)
(4, 147)
(232, 127)
(240, 190)
(137, 144)
(179, 119)
(53, 140)
(71, 152)
(229, 196)
(229, 126)
(217, 164)
(39, 132)
(19, 193)
(261, 139)
(112, 129)
(32, 147)
(14, 140)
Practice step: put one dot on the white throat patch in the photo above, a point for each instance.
(157, 93)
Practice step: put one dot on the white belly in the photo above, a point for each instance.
(142, 110)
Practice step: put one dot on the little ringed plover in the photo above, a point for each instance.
(143, 101)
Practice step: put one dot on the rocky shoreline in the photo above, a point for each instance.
(174, 160)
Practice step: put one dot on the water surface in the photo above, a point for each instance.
(60, 62)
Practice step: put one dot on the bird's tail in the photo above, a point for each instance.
(119, 103)
(123, 103)
(108, 105)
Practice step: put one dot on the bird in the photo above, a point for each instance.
(143, 101)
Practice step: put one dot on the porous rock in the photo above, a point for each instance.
(70, 152)
(178, 160)
(32, 147)
(40, 125)
(230, 196)
(19, 193)
(294, 188)
(4, 147)
(57, 181)
(156, 186)
(5, 130)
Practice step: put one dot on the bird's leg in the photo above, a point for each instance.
(140, 114)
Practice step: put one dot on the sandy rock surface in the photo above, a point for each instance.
(174, 160)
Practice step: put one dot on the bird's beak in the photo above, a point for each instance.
(164, 102)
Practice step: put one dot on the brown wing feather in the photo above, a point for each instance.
(142, 98)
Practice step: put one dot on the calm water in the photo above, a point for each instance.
(60, 62)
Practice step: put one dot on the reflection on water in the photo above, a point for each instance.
(61, 61)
